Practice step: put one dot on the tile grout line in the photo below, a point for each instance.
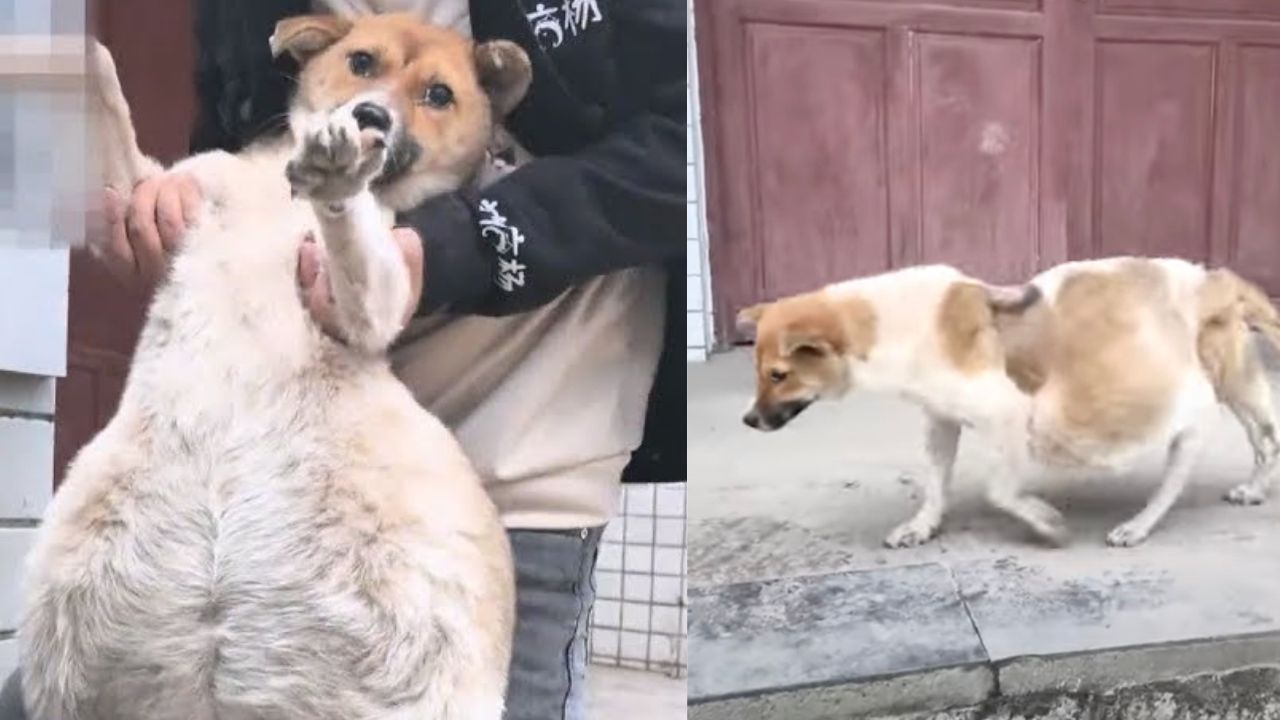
(973, 623)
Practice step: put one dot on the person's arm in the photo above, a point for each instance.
(559, 220)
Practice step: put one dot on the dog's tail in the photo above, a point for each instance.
(121, 163)
(1226, 292)
(1012, 299)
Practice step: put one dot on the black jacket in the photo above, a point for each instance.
(605, 116)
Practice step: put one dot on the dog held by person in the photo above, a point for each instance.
(270, 526)
(1086, 367)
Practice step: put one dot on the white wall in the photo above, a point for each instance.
(41, 135)
(698, 293)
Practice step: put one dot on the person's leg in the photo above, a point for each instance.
(11, 698)
(554, 592)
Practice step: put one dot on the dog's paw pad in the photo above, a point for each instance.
(335, 161)
(1245, 495)
(910, 534)
(1127, 535)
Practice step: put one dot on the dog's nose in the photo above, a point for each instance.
(752, 419)
(371, 115)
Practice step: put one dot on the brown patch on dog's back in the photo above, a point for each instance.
(1117, 347)
(967, 330)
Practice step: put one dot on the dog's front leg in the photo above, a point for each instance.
(944, 439)
(367, 274)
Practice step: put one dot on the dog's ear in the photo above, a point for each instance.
(305, 35)
(749, 317)
(806, 343)
(504, 72)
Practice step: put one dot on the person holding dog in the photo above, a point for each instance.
(544, 326)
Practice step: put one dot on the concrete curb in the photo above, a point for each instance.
(1058, 685)
(936, 689)
(1105, 670)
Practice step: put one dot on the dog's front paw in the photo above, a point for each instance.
(911, 533)
(1128, 535)
(1246, 494)
(336, 160)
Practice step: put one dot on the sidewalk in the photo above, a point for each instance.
(798, 609)
(620, 694)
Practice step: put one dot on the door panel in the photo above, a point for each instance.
(1154, 139)
(980, 134)
(819, 142)
(1255, 199)
(1251, 9)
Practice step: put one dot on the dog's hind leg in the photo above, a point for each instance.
(944, 439)
(1250, 401)
(1004, 490)
(1181, 458)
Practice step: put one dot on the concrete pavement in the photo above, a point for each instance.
(797, 608)
(615, 693)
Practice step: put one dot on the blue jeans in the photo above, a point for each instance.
(555, 588)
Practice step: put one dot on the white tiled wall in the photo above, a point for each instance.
(639, 618)
(698, 293)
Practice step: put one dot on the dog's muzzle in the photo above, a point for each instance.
(371, 115)
(774, 417)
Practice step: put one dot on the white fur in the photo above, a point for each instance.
(270, 526)
(905, 359)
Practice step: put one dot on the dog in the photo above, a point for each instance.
(1086, 367)
(270, 526)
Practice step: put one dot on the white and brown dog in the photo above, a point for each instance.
(1086, 367)
(270, 526)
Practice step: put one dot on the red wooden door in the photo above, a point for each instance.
(846, 137)
(153, 45)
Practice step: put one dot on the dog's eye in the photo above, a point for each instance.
(777, 375)
(362, 63)
(439, 95)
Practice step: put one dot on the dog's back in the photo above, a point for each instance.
(1130, 350)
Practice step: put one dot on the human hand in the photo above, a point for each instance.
(142, 231)
(313, 277)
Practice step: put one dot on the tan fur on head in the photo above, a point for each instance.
(302, 37)
(505, 74)
(802, 349)
(432, 147)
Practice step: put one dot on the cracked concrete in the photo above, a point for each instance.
(810, 505)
